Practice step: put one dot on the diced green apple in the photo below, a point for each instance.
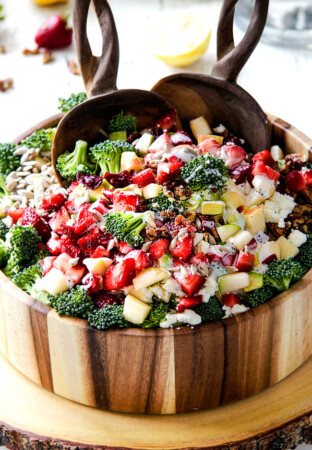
(130, 161)
(149, 276)
(255, 221)
(233, 199)
(143, 294)
(160, 293)
(55, 282)
(152, 190)
(212, 208)
(135, 311)
(255, 281)
(267, 249)
(233, 282)
(98, 265)
(240, 239)
(144, 143)
(165, 261)
(254, 198)
(200, 126)
(288, 250)
(118, 136)
(226, 231)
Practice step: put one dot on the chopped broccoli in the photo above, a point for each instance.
(5, 199)
(205, 172)
(126, 226)
(66, 104)
(163, 203)
(69, 164)
(107, 317)
(212, 310)
(119, 122)
(28, 277)
(8, 161)
(259, 296)
(75, 302)
(41, 138)
(281, 274)
(23, 243)
(4, 254)
(304, 257)
(108, 155)
(157, 315)
(4, 229)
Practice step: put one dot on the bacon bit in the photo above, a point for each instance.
(6, 84)
(47, 56)
(72, 66)
(28, 52)
(2, 49)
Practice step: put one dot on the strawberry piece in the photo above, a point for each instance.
(159, 248)
(235, 155)
(124, 248)
(199, 258)
(307, 175)
(63, 262)
(168, 171)
(109, 195)
(167, 121)
(54, 33)
(61, 217)
(53, 201)
(16, 214)
(191, 284)
(174, 227)
(272, 174)
(72, 186)
(94, 283)
(181, 138)
(99, 206)
(144, 178)
(259, 168)
(69, 246)
(100, 252)
(71, 207)
(75, 273)
(54, 245)
(120, 275)
(84, 220)
(47, 264)
(173, 159)
(239, 173)
(160, 143)
(141, 258)
(209, 146)
(295, 181)
(244, 261)
(265, 157)
(30, 217)
(125, 201)
(230, 300)
(228, 259)
(90, 241)
(189, 302)
(103, 298)
(183, 249)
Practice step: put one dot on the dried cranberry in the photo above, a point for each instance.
(120, 180)
(159, 223)
(240, 173)
(133, 137)
(89, 181)
(207, 222)
(157, 131)
(103, 298)
(235, 140)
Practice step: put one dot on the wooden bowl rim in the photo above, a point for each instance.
(161, 332)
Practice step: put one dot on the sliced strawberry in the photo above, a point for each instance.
(141, 258)
(103, 298)
(84, 219)
(125, 201)
(16, 214)
(75, 273)
(160, 143)
(109, 195)
(181, 138)
(244, 261)
(183, 249)
(272, 174)
(189, 302)
(71, 207)
(230, 300)
(53, 201)
(167, 121)
(99, 206)
(173, 159)
(91, 240)
(69, 246)
(54, 245)
(144, 178)
(159, 248)
(61, 216)
(209, 146)
(124, 248)
(120, 275)
(100, 252)
(72, 186)
(295, 181)
(191, 284)
(63, 262)
(93, 282)
(168, 171)
(265, 157)
(240, 173)
(199, 258)
(228, 259)
(47, 264)
(30, 217)
(307, 175)
(259, 168)
(234, 155)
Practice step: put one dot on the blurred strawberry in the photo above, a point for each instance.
(54, 33)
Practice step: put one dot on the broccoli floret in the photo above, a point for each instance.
(212, 310)
(205, 172)
(281, 274)
(4, 254)
(110, 316)
(69, 164)
(119, 122)
(304, 257)
(158, 314)
(28, 277)
(108, 155)
(4, 229)
(23, 243)
(66, 104)
(163, 203)
(258, 296)
(8, 161)
(76, 303)
(41, 138)
(126, 226)
(5, 199)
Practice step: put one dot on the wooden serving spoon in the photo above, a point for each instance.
(99, 76)
(218, 97)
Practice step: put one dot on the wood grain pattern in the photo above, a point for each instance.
(161, 371)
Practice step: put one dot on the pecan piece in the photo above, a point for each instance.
(6, 84)
(72, 66)
(181, 193)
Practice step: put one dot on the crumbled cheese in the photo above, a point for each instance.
(260, 268)
(261, 237)
(277, 208)
(232, 310)
(188, 316)
(297, 238)
(208, 289)
(171, 285)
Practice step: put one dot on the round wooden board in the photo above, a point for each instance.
(33, 418)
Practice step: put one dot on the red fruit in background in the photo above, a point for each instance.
(30, 217)
(125, 201)
(159, 248)
(103, 298)
(53, 201)
(120, 275)
(16, 214)
(307, 175)
(181, 138)
(47, 264)
(84, 219)
(54, 33)
(61, 216)
(295, 181)
(141, 258)
(100, 252)
(93, 282)
(231, 300)
(235, 155)
(167, 121)
(160, 143)
(168, 171)
(144, 178)
(265, 157)
(209, 146)
(243, 261)
(191, 284)
(188, 302)
(183, 249)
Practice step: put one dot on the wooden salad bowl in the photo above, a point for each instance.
(161, 371)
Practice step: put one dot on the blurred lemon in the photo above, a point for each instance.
(48, 2)
(180, 40)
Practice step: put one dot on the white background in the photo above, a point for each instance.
(279, 78)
